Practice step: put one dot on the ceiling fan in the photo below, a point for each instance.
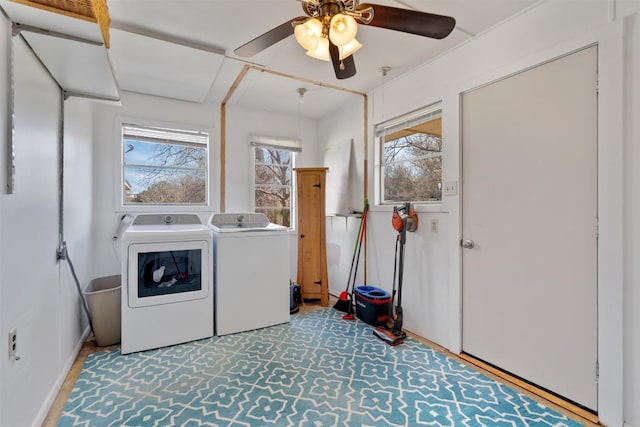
(329, 29)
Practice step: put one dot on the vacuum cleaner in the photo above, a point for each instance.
(404, 219)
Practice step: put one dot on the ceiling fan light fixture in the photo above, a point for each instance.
(321, 51)
(342, 29)
(349, 49)
(308, 34)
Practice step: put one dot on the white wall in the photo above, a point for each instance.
(41, 302)
(77, 217)
(432, 272)
(36, 294)
(341, 126)
(240, 123)
(425, 286)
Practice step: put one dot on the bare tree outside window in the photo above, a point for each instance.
(410, 168)
(413, 168)
(273, 185)
(164, 167)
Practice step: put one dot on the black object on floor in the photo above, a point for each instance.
(294, 298)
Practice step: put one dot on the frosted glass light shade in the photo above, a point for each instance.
(349, 49)
(308, 33)
(321, 51)
(343, 29)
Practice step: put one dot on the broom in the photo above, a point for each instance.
(344, 301)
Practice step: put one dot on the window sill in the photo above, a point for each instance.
(431, 207)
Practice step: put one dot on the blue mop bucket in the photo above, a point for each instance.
(372, 304)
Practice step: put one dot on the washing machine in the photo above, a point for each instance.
(251, 264)
(167, 280)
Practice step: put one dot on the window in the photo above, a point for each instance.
(164, 166)
(273, 177)
(410, 157)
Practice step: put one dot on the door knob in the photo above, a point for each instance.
(467, 244)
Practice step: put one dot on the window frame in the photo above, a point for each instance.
(293, 146)
(424, 114)
(119, 166)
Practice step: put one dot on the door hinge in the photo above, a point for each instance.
(597, 372)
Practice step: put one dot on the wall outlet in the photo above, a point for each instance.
(13, 344)
(450, 188)
(433, 225)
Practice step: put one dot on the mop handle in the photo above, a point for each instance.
(362, 233)
(355, 250)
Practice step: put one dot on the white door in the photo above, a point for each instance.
(529, 205)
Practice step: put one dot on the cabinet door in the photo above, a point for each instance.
(312, 261)
(310, 220)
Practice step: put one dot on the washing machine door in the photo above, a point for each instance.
(167, 272)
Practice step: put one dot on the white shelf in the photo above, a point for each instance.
(80, 68)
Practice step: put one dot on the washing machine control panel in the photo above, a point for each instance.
(167, 219)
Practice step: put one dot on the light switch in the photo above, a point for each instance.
(450, 188)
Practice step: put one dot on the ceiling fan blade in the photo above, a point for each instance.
(267, 39)
(410, 21)
(345, 68)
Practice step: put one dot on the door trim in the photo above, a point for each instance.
(610, 42)
(585, 371)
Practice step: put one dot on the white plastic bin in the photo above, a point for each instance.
(103, 298)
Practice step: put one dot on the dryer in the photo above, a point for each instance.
(167, 281)
(251, 263)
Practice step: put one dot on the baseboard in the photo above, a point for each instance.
(53, 393)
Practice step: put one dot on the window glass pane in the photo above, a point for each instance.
(272, 156)
(411, 157)
(414, 180)
(164, 186)
(273, 175)
(411, 146)
(164, 171)
(170, 155)
(270, 196)
(272, 186)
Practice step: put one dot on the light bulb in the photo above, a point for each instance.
(343, 29)
(308, 33)
(321, 51)
(349, 49)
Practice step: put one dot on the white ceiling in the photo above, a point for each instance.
(183, 49)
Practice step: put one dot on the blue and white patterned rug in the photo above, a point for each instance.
(319, 370)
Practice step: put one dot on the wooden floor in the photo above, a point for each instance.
(90, 347)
